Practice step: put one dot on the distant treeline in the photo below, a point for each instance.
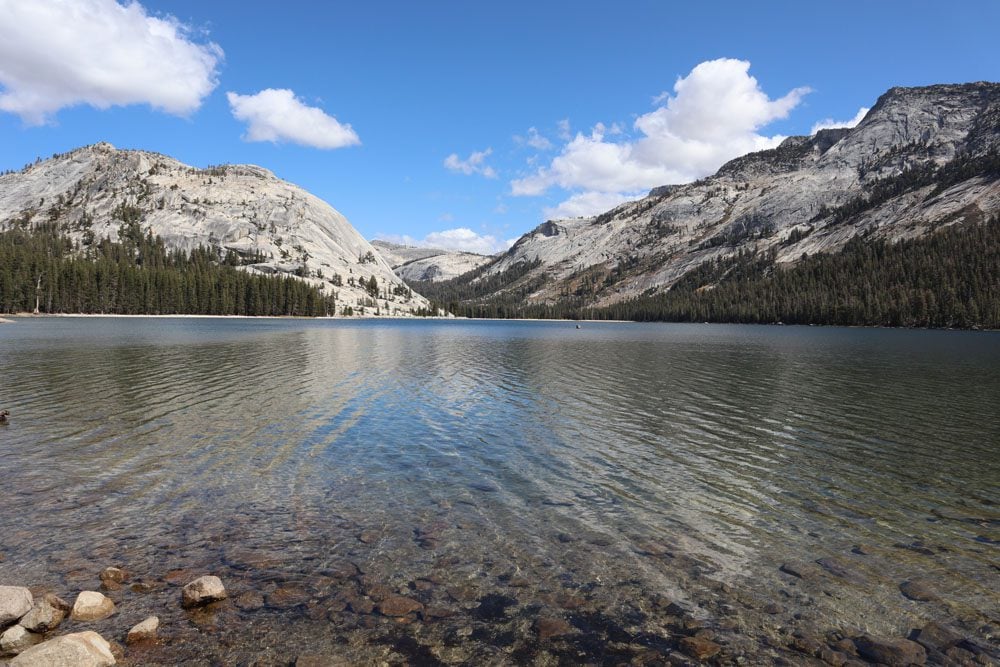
(139, 276)
(950, 278)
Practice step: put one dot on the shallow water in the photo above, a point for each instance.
(640, 482)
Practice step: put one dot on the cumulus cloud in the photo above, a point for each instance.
(98, 52)
(460, 238)
(584, 204)
(714, 114)
(276, 114)
(829, 123)
(474, 164)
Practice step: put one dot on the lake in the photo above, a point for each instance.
(536, 493)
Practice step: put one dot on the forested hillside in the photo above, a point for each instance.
(40, 268)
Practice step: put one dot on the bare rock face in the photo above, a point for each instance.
(91, 606)
(16, 639)
(15, 602)
(44, 616)
(80, 649)
(202, 591)
(144, 631)
(792, 199)
(269, 225)
(433, 264)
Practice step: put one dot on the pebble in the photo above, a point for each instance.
(15, 602)
(143, 631)
(91, 606)
(201, 591)
(80, 649)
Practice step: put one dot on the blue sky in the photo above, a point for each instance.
(415, 119)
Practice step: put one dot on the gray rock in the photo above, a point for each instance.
(81, 649)
(935, 636)
(917, 590)
(892, 651)
(202, 591)
(144, 631)
(91, 606)
(16, 639)
(43, 617)
(15, 602)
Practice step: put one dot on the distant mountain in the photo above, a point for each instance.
(922, 160)
(245, 211)
(428, 264)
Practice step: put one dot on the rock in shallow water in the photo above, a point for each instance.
(15, 602)
(81, 649)
(397, 605)
(44, 616)
(699, 647)
(201, 591)
(890, 651)
(144, 631)
(16, 638)
(91, 606)
(917, 590)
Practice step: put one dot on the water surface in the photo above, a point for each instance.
(638, 482)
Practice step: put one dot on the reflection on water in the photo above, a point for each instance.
(499, 473)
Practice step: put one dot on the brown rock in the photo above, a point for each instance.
(378, 592)
(831, 657)
(699, 648)
(287, 597)
(436, 612)
(361, 605)
(890, 651)
(917, 590)
(397, 605)
(58, 602)
(801, 570)
(935, 636)
(317, 660)
(112, 578)
(249, 601)
(145, 631)
(91, 606)
(369, 536)
(548, 627)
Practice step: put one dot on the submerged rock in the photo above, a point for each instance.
(81, 649)
(548, 627)
(937, 637)
(91, 606)
(15, 602)
(917, 590)
(700, 648)
(894, 652)
(201, 591)
(16, 638)
(112, 578)
(144, 631)
(397, 605)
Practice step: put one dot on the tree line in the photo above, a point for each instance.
(42, 270)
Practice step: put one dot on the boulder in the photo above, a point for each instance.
(44, 616)
(15, 602)
(16, 638)
(144, 631)
(890, 651)
(80, 649)
(91, 606)
(201, 591)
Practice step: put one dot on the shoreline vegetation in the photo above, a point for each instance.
(945, 280)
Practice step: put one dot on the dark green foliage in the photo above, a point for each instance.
(138, 275)
(947, 279)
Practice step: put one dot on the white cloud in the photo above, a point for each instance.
(714, 115)
(585, 204)
(276, 114)
(98, 52)
(563, 127)
(829, 123)
(460, 238)
(474, 164)
(534, 139)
